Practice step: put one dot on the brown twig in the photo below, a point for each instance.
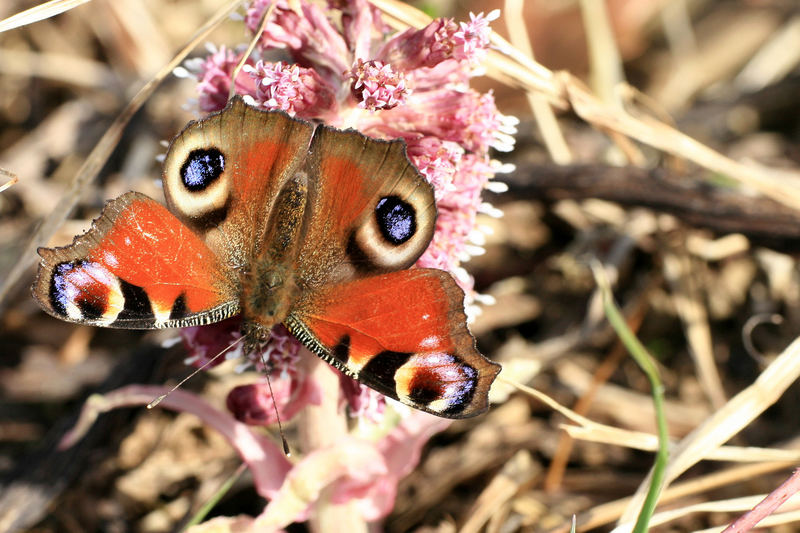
(763, 220)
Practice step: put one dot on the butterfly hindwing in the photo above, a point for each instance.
(137, 267)
(404, 334)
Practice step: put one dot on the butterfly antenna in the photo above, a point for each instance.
(285, 443)
(190, 376)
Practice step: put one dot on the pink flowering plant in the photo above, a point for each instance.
(352, 73)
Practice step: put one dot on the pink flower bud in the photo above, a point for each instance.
(214, 79)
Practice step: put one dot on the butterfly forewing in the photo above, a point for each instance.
(370, 209)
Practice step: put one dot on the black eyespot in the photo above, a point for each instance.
(396, 219)
(201, 168)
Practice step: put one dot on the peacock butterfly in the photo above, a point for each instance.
(284, 222)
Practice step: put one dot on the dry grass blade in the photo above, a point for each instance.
(509, 65)
(40, 12)
(545, 117)
(777, 498)
(777, 519)
(57, 67)
(596, 432)
(590, 430)
(721, 506)
(549, 402)
(602, 374)
(516, 474)
(606, 513)
(776, 59)
(605, 60)
(400, 11)
(648, 442)
(678, 31)
(780, 185)
(718, 57)
(606, 69)
(688, 303)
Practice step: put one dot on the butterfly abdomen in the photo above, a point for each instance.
(268, 293)
(286, 220)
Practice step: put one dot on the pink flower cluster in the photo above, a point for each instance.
(413, 85)
(295, 89)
